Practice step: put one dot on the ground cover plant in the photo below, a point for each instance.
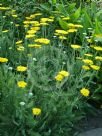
(50, 65)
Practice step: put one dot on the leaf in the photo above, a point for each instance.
(97, 27)
(88, 19)
(61, 9)
(71, 7)
(76, 15)
(54, 1)
(45, 6)
(63, 24)
(99, 13)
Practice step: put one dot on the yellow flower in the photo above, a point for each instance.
(52, 17)
(95, 67)
(19, 42)
(64, 73)
(88, 54)
(85, 92)
(78, 26)
(35, 28)
(4, 8)
(71, 25)
(26, 26)
(36, 111)
(34, 45)
(38, 14)
(79, 58)
(50, 20)
(43, 40)
(15, 16)
(26, 22)
(86, 67)
(28, 18)
(21, 68)
(43, 24)
(98, 35)
(21, 48)
(43, 20)
(28, 36)
(31, 32)
(98, 48)
(59, 77)
(65, 18)
(35, 23)
(62, 37)
(74, 46)
(5, 31)
(98, 58)
(87, 61)
(22, 84)
(17, 25)
(61, 32)
(2, 60)
(89, 40)
(72, 30)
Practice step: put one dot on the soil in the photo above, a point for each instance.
(90, 122)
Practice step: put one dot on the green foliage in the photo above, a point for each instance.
(61, 102)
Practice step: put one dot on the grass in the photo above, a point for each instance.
(60, 72)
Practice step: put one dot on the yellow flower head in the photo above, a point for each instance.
(88, 54)
(31, 32)
(35, 28)
(95, 67)
(71, 25)
(14, 15)
(98, 35)
(85, 92)
(44, 24)
(97, 48)
(43, 20)
(72, 30)
(22, 84)
(89, 40)
(4, 8)
(85, 67)
(62, 37)
(64, 73)
(21, 68)
(59, 77)
(2, 60)
(50, 20)
(62, 32)
(21, 48)
(87, 61)
(5, 31)
(28, 36)
(78, 26)
(19, 42)
(36, 111)
(98, 58)
(74, 46)
(17, 25)
(34, 45)
(43, 41)
(65, 18)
